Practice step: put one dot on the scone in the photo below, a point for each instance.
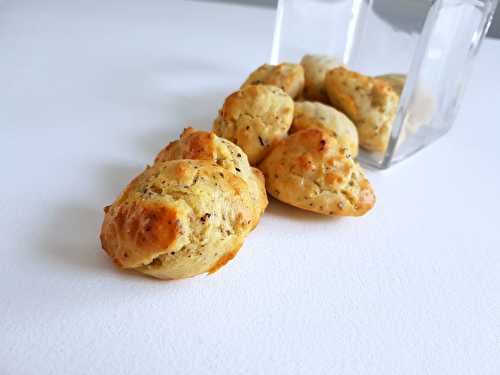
(397, 81)
(318, 115)
(370, 103)
(421, 107)
(288, 77)
(315, 69)
(309, 170)
(255, 118)
(203, 145)
(179, 219)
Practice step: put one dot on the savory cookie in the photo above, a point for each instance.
(203, 145)
(255, 118)
(315, 69)
(397, 81)
(421, 106)
(311, 171)
(179, 219)
(288, 77)
(318, 115)
(370, 103)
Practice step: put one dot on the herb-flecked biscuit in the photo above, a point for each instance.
(179, 219)
(309, 170)
(318, 115)
(203, 145)
(370, 103)
(315, 69)
(397, 81)
(255, 118)
(288, 77)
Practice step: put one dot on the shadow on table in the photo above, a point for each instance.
(71, 238)
(197, 112)
(280, 209)
(71, 235)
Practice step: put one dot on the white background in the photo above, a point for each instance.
(90, 91)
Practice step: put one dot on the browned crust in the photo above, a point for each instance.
(193, 144)
(224, 259)
(137, 231)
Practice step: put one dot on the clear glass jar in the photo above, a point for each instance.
(433, 43)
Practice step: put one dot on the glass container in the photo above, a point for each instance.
(432, 43)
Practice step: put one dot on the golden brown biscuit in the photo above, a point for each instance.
(309, 170)
(370, 103)
(288, 77)
(397, 81)
(255, 118)
(318, 115)
(203, 145)
(420, 108)
(315, 69)
(179, 219)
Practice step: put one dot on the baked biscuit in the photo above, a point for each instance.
(397, 81)
(255, 118)
(318, 115)
(203, 145)
(315, 69)
(309, 170)
(370, 103)
(421, 106)
(179, 219)
(288, 77)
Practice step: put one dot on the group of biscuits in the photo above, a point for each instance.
(292, 130)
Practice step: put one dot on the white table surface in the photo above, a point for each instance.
(89, 91)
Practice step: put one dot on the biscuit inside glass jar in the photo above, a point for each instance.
(286, 76)
(369, 102)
